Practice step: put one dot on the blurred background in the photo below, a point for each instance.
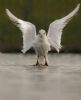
(41, 13)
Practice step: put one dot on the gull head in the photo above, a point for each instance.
(42, 33)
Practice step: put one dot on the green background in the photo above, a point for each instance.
(41, 13)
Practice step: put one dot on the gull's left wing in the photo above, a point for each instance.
(27, 28)
(56, 29)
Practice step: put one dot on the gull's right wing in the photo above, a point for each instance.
(27, 28)
(56, 29)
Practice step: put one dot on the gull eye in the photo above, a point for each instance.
(44, 33)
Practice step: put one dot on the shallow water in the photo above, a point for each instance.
(19, 80)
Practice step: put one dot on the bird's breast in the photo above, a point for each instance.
(42, 44)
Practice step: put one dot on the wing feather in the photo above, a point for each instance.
(56, 29)
(28, 30)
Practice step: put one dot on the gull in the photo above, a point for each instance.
(42, 42)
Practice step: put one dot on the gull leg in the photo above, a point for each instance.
(46, 64)
(37, 63)
(46, 60)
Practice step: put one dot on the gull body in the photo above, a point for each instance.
(41, 46)
(42, 43)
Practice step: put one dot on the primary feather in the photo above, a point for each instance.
(56, 29)
(27, 28)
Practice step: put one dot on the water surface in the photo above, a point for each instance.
(19, 80)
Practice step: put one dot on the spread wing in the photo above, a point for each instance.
(56, 29)
(27, 28)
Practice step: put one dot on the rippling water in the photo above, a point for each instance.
(19, 80)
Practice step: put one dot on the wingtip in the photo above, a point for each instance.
(7, 10)
(78, 5)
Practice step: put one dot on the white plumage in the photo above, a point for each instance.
(42, 43)
(56, 29)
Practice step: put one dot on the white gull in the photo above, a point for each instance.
(42, 42)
